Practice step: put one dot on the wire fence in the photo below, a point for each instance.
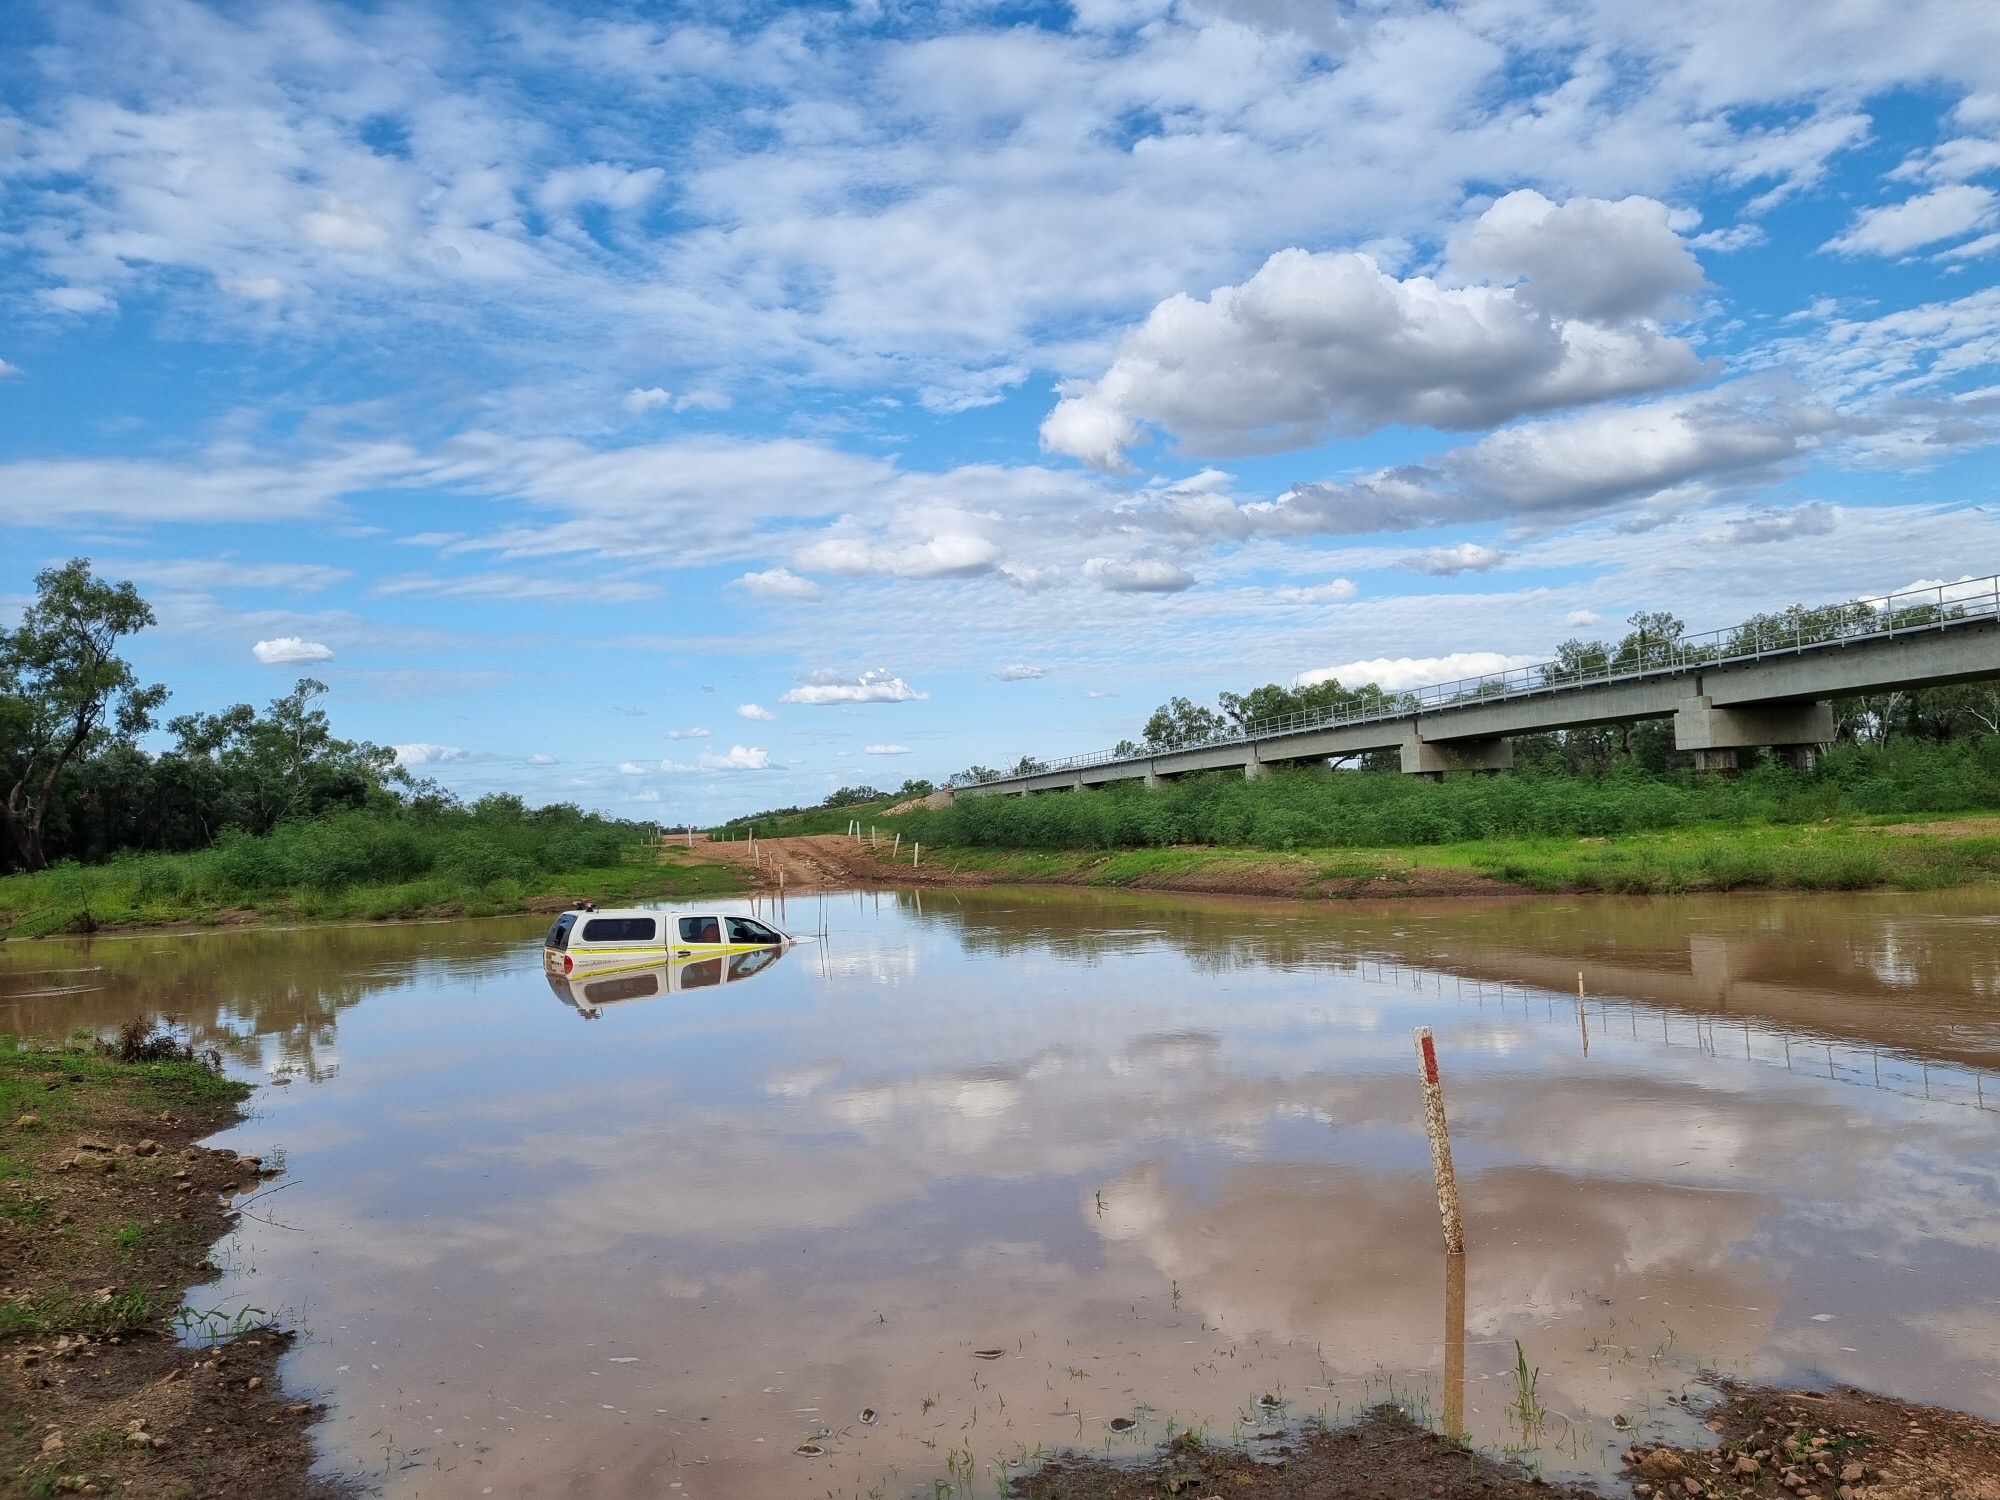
(1796, 630)
(1720, 1037)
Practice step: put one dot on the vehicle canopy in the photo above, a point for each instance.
(681, 931)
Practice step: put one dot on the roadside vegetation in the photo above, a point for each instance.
(251, 814)
(831, 816)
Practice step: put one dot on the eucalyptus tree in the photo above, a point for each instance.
(65, 692)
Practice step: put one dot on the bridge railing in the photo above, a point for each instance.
(1931, 607)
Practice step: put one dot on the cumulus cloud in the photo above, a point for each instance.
(1314, 344)
(886, 750)
(957, 554)
(538, 759)
(289, 648)
(1894, 228)
(632, 768)
(1562, 468)
(874, 686)
(739, 758)
(1600, 261)
(1396, 674)
(1449, 562)
(422, 753)
(641, 400)
(1579, 617)
(1145, 575)
(1020, 672)
(1815, 518)
(695, 734)
(779, 583)
(753, 711)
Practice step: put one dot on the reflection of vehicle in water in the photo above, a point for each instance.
(589, 991)
(599, 958)
(599, 941)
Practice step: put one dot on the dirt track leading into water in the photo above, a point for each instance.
(820, 862)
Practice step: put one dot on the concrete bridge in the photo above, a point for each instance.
(1762, 685)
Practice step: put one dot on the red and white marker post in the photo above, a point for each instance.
(1434, 1126)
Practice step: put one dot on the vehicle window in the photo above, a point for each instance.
(705, 971)
(625, 987)
(743, 930)
(620, 930)
(559, 934)
(701, 930)
(743, 965)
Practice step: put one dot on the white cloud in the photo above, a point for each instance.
(1814, 518)
(698, 734)
(1321, 343)
(779, 583)
(253, 288)
(632, 768)
(421, 753)
(539, 759)
(1601, 262)
(638, 401)
(1580, 617)
(739, 758)
(8, 370)
(289, 648)
(1564, 467)
(1395, 674)
(874, 686)
(1735, 237)
(752, 711)
(76, 299)
(1145, 575)
(1449, 562)
(226, 573)
(886, 750)
(949, 555)
(1941, 214)
(1020, 672)
(1316, 593)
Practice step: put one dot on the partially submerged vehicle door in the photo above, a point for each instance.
(697, 936)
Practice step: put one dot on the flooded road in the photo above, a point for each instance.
(1024, 1169)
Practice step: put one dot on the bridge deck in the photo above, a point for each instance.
(1906, 641)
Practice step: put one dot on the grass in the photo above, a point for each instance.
(1852, 854)
(360, 866)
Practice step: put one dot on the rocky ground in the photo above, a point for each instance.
(1842, 1444)
(108, 1210)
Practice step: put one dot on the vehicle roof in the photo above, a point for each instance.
(663, 911)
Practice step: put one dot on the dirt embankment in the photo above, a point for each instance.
(1770, 1445)
(106, 1217)
(836, 862)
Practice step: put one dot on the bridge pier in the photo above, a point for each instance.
(1253, 768)
(1715, 735)
(1422, 757)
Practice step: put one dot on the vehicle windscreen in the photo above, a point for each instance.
(559, 934)
(620, 930)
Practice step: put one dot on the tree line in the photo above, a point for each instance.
(80, 785)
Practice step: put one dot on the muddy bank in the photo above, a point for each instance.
(1841, 1444)
(107, 1214)
(1383, 1456)
(833, 862)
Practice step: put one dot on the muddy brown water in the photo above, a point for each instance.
(1164, 1156)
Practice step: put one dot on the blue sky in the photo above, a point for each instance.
(682, 411)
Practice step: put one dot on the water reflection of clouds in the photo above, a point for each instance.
(883, 1155)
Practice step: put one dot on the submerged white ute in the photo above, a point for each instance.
(636, 938)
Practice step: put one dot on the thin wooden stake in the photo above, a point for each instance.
(1440, 1134)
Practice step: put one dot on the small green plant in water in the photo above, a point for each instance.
(1526, 1405)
